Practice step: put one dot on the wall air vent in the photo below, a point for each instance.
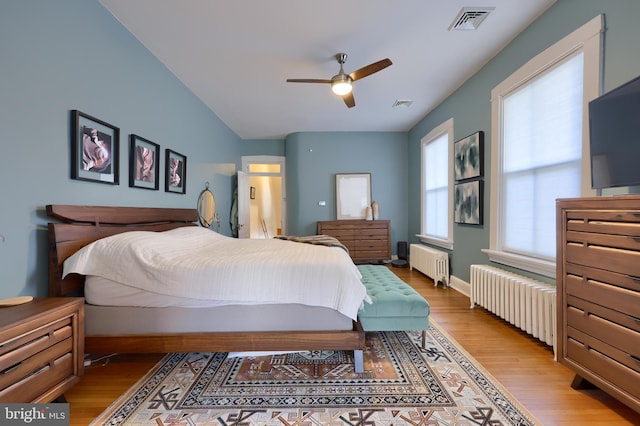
(470, 18)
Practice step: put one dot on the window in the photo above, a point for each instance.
(539, 143)
(437, 195)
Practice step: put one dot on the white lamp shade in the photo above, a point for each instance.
(341, 87)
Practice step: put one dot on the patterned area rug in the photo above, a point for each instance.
(403, 384)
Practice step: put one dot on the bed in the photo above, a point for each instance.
(172, 327)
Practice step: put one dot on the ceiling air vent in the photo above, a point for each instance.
(402, 103)
(470, 18)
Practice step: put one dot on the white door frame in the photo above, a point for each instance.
(266, 159)
(244, 224)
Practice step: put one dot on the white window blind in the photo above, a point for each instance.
(436, 226)
(542, 151)
(436, 187)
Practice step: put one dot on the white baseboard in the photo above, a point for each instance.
(460, 285)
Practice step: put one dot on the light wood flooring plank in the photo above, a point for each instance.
(523, 365)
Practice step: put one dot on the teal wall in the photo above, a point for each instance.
(57, 56)
(314, 158)
(262, 147)
(471, 109)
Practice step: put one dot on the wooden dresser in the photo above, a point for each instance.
(598, 279)
(41, 349)
(367, 240)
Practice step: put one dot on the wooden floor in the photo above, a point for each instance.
(523, 365)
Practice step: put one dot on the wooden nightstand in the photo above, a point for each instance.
(41, 349)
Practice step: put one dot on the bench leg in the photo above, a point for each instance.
(358, 361)
(424, 339)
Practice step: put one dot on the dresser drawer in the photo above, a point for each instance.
(593, 359)
(370, 255)
(616, 291)
(618, 330)
(373, 234)
(344, 235)
(333, 227)
(612, 222)
(371, 245)
(617, 253)
(374, 224)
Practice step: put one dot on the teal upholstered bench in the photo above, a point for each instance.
(396, 305)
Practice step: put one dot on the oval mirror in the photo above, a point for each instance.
(206, 207)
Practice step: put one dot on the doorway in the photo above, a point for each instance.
(262, 197)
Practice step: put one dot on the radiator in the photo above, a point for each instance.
(526, 303)
(431, 262)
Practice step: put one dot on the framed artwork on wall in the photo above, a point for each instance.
(469, 157)
(94, 149)
(353, 195)
(175, 172)
(144, 163)
(468, 203)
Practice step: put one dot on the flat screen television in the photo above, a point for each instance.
(614, 135)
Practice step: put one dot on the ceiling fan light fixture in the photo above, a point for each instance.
(341, 84)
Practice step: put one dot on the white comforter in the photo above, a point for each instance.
(198, 263)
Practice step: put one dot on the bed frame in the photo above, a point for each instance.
(81, 225)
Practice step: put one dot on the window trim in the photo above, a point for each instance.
(436, 132)
(587, 38)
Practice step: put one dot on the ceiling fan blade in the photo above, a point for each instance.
(307, 80)
(349, 100)
(370, 69)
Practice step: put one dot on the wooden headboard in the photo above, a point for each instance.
(81, 225)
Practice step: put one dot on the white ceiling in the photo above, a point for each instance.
(236, 56)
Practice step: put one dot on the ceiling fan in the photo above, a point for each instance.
(341, 83)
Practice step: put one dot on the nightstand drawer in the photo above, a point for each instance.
(41, 349)
(27, 345)
(36, 364)
(31, 387)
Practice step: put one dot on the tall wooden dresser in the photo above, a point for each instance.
(367, 240)
(598, 279)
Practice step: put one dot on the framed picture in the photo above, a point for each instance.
(469, 157)
(144, 163)
(468, 203)
(175, 172)
(353, 195)
(94, 149)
